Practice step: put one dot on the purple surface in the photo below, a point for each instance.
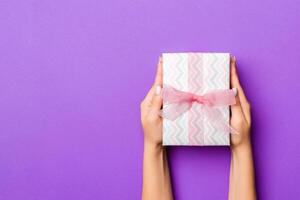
(73, 73)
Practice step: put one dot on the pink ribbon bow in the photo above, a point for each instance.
(177, 102)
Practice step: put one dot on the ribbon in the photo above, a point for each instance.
(178, 102)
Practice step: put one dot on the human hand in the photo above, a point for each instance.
(150, 107)
(240, 113)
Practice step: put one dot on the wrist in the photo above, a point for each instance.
(151, 146)
(244, 148)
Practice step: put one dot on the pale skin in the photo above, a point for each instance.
(156, 175)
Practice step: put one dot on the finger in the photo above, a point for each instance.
(240, 94)
(148, 98)
(157, 82)
(156, 99)
(159, 73)
(234, 82)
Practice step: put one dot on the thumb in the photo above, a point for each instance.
(157, 100)
(236, 109)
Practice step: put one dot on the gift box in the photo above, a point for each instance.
(198, 122)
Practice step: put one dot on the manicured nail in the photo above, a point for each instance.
(235, 91)
(157, 90)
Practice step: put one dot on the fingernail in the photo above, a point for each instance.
(233, 58)
(235, 91)
(157, 90)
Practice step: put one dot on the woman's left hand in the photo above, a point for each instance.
(150, 108)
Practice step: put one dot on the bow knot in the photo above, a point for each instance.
(178, 102)
(200, 99)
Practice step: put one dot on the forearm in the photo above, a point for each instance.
(242, 183)
(156, 176)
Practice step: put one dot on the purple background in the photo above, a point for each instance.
(73, 73)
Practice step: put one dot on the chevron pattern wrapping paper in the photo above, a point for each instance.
(197, 73)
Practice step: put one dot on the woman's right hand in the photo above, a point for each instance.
(240, 112)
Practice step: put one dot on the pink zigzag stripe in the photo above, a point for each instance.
(176, 81)
(195, 65)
